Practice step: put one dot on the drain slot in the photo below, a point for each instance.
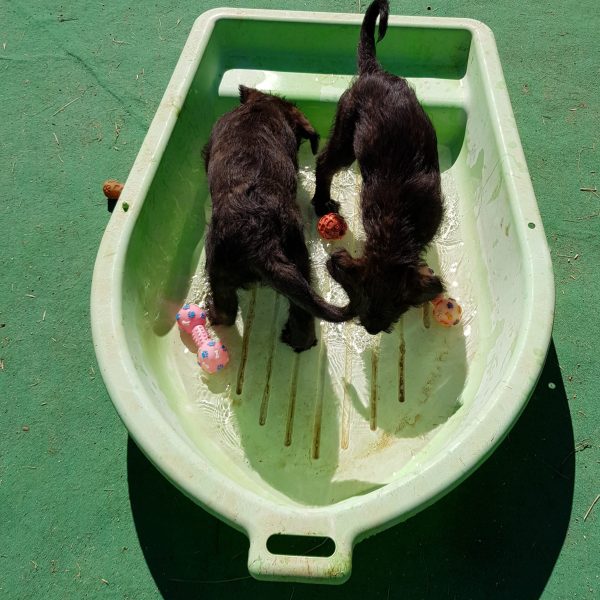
(300, 545)
(245, 342)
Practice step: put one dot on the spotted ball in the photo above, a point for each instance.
(332, 226)
(447, 311)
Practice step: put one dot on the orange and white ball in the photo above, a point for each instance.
(446, 311)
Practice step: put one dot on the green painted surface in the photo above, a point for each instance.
(83, 514)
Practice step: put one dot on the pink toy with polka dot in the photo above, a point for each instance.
(212, 354)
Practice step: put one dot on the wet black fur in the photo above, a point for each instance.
(255, 233)
(380, 123)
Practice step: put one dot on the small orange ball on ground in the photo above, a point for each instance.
(332, 226)
(447, 311)
(112, 189)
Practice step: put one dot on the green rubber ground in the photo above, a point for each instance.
(83, 514)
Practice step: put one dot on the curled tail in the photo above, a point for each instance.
(367, 59)
(286, 278)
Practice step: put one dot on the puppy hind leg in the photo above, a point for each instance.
(299, 330)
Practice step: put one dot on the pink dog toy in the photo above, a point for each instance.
(212, 354)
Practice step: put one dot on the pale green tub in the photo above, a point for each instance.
(360, 432)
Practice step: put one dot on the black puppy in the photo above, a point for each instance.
(380, 123)
(255, 234)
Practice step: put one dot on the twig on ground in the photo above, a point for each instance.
(589, 510)
(68, 104)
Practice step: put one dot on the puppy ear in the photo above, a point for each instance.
(248, 94)
(206, 154)
(307, 131)
(244, 93)
(431, 288)
(427, 285)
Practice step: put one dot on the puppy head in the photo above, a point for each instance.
(298, 122)
(380, 295)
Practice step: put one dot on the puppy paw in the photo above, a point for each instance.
(298, 341)
(324, 206)
(217, 317)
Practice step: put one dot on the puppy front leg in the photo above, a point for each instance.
(338, 153)
(222, 304)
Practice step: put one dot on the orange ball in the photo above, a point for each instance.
(332, 226)
(447, 311)
(112, 189)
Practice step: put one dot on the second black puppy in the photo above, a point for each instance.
(380, 122)
(255, 233)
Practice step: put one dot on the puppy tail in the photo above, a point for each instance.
(367, 59)
(285, 277)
